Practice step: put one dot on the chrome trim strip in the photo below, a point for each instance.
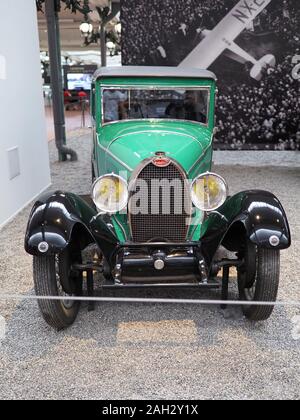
(201, 157)
(154, 87)
(137, 171)
(147, 87)
(219, 214)
(115, 158)
(153, 120)
(150, 131)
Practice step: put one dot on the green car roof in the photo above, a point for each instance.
(139, 71)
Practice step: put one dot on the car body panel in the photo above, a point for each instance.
(120, 148)
(126, 145)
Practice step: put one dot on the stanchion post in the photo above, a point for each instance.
(51, 10)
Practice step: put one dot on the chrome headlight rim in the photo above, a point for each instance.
(125, 201)
(221, 202)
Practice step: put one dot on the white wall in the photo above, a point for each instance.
(22, 118)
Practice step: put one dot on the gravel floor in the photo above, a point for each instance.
(151, 351)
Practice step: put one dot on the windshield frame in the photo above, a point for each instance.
(148, 87)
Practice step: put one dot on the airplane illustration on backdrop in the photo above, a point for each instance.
(221, 39)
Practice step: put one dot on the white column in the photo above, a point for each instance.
(24, 161)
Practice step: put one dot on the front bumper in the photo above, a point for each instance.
(151, 263)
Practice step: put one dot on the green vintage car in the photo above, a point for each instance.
(157, 216)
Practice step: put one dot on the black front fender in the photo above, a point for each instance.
(54, 218)
(259, 213)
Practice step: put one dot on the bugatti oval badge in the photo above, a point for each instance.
(161, 161)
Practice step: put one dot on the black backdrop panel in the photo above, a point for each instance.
(253, 47)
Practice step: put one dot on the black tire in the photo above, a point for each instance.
(57, 314)
(264, 288)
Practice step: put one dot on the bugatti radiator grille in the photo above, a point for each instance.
(160, 210)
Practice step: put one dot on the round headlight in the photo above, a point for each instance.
(110, 193)
(209, 192)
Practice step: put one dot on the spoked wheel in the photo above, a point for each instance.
(53, 277)
(258, 281)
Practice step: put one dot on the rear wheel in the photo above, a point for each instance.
(259, 283)
(53, 277)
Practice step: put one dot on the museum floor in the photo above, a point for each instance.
(73, 119)
(151, 351)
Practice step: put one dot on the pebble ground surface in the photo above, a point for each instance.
(153, 351)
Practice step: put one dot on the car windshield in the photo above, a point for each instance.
(142, 103)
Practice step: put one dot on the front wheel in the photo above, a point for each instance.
(264, 284)
(53, 277)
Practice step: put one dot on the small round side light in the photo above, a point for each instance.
(274, 240)
(43, 247)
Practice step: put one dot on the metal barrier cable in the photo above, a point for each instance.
(149, 300)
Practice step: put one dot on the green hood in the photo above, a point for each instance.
(130, 143)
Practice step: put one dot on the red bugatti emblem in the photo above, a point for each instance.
(161, 161)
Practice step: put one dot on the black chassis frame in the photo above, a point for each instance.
(61, 219)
